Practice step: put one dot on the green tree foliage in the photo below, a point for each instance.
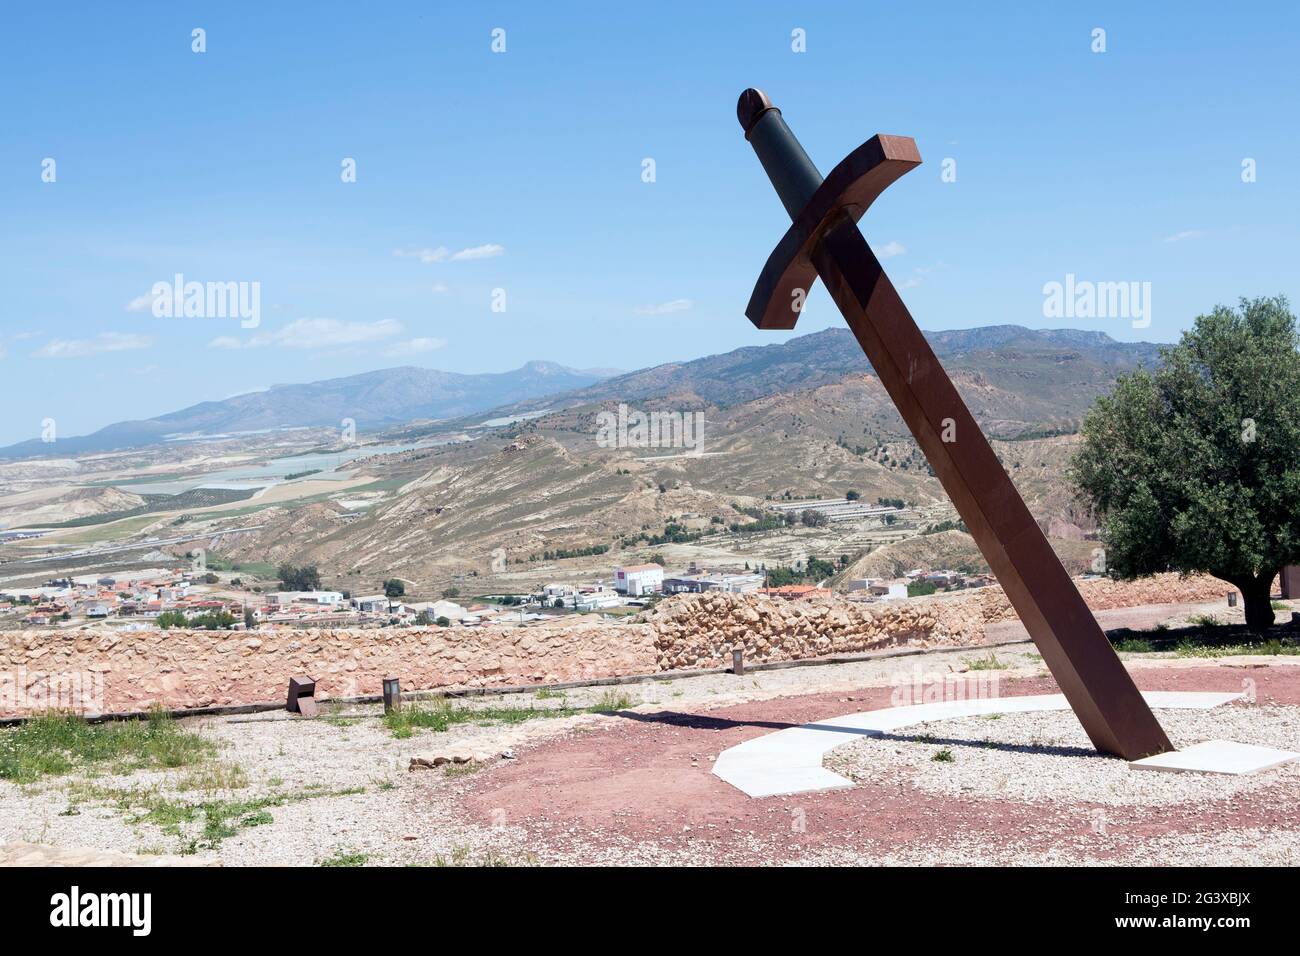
(211, 621)
(394, 588)
(813, 571)
(780, 577)
(305, 578)
(168, 619)
(1196, 466)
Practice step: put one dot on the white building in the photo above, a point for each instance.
(373, 604)
(436, 609)
(637, 579)
(323, 598)
(890, 590)
(596, 599)
(734, 583)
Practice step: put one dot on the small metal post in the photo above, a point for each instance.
(1232, 599)
(302, 696)
(392, 694)
(737, 660)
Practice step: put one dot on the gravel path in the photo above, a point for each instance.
(1046, 757)
(635, 788)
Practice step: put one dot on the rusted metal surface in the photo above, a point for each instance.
(392, 694)
(1290, 582)
(824, 241)
(302, 696)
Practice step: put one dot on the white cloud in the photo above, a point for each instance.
(141, 303)
(315, 334)
(890, 249)
(1185, 234)
(664, 308)
(489, 251)
(439, 288)
(424, 255)
(327, 333)
(917, 277)
(415, 346)
(104, 342)
(429, 254)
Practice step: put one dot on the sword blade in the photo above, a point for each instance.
(1075, 649)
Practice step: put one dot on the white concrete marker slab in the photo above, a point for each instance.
(790, 761)
(1217, 756)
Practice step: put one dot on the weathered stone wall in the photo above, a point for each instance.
(701, 631)
(1103, 594)
(180, 669)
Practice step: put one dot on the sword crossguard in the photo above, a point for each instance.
(814, 204)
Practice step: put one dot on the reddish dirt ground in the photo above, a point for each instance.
(649, 780)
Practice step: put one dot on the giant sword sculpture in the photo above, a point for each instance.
(824, 241)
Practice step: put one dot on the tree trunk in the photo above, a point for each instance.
(1258, 595)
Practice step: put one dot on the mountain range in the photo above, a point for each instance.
(376, 399)
(1057, 372)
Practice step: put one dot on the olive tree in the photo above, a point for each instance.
(1195, 466)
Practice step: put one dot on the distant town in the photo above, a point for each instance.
(151, 598)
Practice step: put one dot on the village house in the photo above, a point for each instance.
(320, 598)
(637, 579)
(895, 590)
(373, 604)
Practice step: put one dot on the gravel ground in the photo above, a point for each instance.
(346, 777)
(347, 788)
(1046, 757)
(641, 792)
(364, 800)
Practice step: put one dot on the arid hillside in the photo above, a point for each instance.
(540, 490)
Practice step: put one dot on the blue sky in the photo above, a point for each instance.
(522, 171)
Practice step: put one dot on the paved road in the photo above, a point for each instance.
(128, 546)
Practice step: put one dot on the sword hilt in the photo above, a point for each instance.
(793, 174)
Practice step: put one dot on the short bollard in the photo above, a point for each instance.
(1232, 599)
(737, 660)
(392, 694)
(302, 696)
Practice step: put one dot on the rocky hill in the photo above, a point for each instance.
(382, 398)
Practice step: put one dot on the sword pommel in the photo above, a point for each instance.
(753, 103)
(792, 173)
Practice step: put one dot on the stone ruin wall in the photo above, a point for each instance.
(131, 671)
